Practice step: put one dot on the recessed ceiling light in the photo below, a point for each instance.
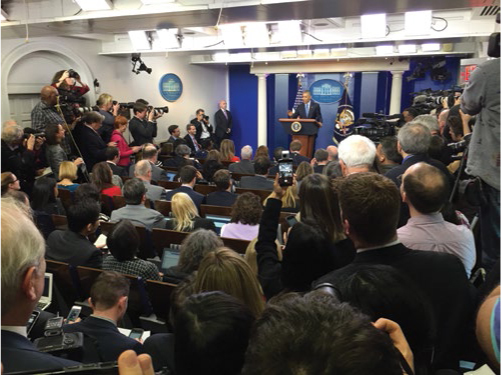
(155, 2)
(373, 25)
(290, 32)
(139, 40)
(90, 5)
(407, 48)
(232, 35)
(256, 34)
(384, 50)
(168, 38)
(430, 47)
(418, 23)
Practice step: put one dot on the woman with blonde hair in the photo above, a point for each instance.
(67, 174)
(228, 151)
(185, 215)
(109, 111)
(290, 199)
(9, 182)
(226, 271)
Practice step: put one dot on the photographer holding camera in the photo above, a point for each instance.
(481, 97)
(109, 109)
(143, 126)
(71, 97)
(205, 130)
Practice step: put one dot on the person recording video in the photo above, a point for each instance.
(205, 131)
(143, 126)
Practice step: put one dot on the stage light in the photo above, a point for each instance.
(140, 40)
(136, 59)
(373, 25)
(418, 23)
(89, 5)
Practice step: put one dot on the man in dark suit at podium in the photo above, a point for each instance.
(308, 109)
(224, 122)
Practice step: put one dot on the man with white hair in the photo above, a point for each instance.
(429, 121)
(356, 154)
(245, 165)
(142, 170)
(332, 150)
(413, 144)
(23, 274)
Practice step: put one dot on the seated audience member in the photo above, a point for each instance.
(333, 170)
(212, 333)
(67, 174)
(22, 199)
(321, 328)
(227, 149)
(18, 156)
(112, 157)
(356, 154)
(304, 169)
(294, 148)
(54, 153)
(89, 191)
(125, 152)
(9, 182)
(387, 155)
(290, 200)
(410, 114)
(102, 177)
(425, 189)
(263, 151)
(315, 245)
(174, 132)
(193, 250)
(89, 141)
(223, 196)
(23, 269)
(212, 165)
(487, 328)
(226, 271)
(333, 153)
(260, 181)
(188, 176)
(45, 203)
(430, 122)
(181, 158)
(72, 245)
(123, 244)
(381, 291)
(277, 155)
(191, 140)
(245, 215)
(321, 159)
(150, 153)
(143, 171)
(245, 165)
(185, 215)
(135, 210)
(365, 198)
(413, 144)
(108, 300)
(456, 132)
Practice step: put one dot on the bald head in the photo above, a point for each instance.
(222, 104)
(332, 150)
(49, 95)
(425, 188)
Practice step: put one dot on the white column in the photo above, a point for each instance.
(261, 110)
(396, 92)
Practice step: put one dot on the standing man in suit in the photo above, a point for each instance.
(308, 109)
(108, 300)
(188, 176)
(204, 129)
(370, 206)
(191, 139)
(23, 274)
(143, 126)
(224, 122)
(112, 158)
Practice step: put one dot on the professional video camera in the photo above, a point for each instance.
(128, 105)
(427, 100)
(376, 125)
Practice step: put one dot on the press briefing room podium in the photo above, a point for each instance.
(304, 130)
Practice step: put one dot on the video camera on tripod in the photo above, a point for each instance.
(427, 100)
(377, 125)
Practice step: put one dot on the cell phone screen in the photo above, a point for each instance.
(135, 334)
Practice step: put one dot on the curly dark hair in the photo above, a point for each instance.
(247, 209)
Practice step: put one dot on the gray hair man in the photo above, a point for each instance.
(429, 121)
(143, 171)
(245, 165)
(356, 154)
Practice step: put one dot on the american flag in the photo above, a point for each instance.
(299, 94)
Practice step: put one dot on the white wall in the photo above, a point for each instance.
(203, 85)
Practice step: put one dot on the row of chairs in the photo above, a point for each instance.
(149, 300)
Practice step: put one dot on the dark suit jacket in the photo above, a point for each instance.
(198, 125)
(414, 159)
(223, 123)
(197, 198)
(105, 338)
(157, 173)
(91, 145)
(441, 276)
(256, 182)
(221, 198)
(318, 168)
(243, 166)
(119, 171)
(19, 354)
(190, 144)
(73, 248)
(298, 158)
(314, 112)
(160, 347)
(142, 131)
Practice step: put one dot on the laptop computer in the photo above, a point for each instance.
(170, 258)
(171, 175)
(218, 221)
(46, 298)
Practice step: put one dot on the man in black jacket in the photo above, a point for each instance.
(143, 126)
(307, 109)
(370, 205)
(224, 122)
(204, 128)
(108, 299)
